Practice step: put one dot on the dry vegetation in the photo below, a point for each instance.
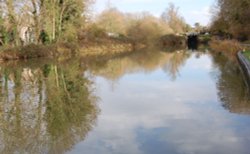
(231, 26)
(231, 19)
(229, 47)
(141, 28)
(28, 52)
(64, 30)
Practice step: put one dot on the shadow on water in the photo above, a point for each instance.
(45, 108)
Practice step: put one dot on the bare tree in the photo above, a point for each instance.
(173, 19)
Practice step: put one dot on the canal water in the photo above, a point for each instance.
(150, 102)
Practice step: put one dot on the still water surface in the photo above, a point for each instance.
(181, 102)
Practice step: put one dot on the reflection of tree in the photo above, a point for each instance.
(146, 61)
(232, 89)
(175, 61)
(116, 68)
(44, 110)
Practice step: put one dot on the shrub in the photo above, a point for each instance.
(27, 52)
(145, 31)
(172, 40)
(204, 39)
(91, 34)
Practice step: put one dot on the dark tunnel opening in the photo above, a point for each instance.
(192, 42)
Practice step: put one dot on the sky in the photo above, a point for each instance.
(192, 10)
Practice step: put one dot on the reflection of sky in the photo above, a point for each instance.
(150, 113)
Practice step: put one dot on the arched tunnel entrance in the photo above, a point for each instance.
(192, 41)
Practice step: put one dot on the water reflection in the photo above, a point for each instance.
(149, 112)
(147, 62)
(232, 90)
(45, 109)
(163, 102)
(175, 61)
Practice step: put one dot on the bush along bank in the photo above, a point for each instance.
(27, 52)
(228, 47)
(88, 47)
(64, 50)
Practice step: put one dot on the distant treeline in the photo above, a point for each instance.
(25, 22)
(141, 27)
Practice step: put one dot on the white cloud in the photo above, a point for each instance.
(144, 113)
(202, 15)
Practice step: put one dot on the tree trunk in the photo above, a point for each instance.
(36, 21)
(12, 20)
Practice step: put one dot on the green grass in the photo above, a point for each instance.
(247, 54)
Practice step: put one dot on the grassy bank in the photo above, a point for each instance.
(247, 54)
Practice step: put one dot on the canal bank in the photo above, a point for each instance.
(245, 65)
(65, 50)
